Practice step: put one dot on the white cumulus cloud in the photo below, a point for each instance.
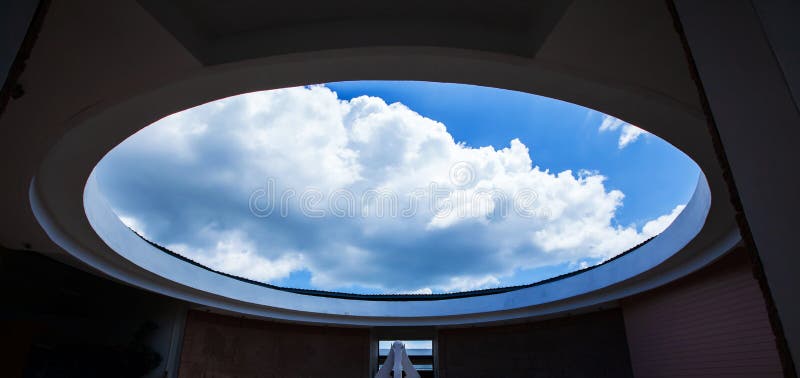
(658, 225)
(628, 133)
(448, 220)
(234, 253)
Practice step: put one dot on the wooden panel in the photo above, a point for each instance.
(711, 323)
(224, 346)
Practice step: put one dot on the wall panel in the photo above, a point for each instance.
(711, 323)
(591, 345)
(225, 346)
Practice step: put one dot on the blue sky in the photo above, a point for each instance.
(654, 175)
(198, 182)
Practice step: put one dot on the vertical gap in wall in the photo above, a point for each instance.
(373, 354)
(179, 362)
(744, 227)
(436, 355)
(176, 341)
(441, 349)
(421, 352)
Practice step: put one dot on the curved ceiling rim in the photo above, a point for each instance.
(131, 247)
(61, 180)
(135, 275)
(653, 112)
(635, 104)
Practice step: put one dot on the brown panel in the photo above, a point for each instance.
(711, 323)
(224, 346)
(590, 345)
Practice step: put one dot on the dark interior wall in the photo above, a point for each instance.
(710, 323)
(591, 345)
(747, 60)
(58, 321)
(15, 16)
(226, 346)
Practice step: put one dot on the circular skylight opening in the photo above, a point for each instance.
(376, 187)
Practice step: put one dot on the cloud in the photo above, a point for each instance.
(424, 290)
(422, 213)
(628, 133)
(233, 253)
(135, 224)
(658, 225)
(470, 283)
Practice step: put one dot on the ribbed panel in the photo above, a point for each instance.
(712, 323)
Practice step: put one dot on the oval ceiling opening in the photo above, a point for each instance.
(374, 187)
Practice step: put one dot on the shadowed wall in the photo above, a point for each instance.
(590, 345)
(58, 321)
(711, 323)
(225, 346)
